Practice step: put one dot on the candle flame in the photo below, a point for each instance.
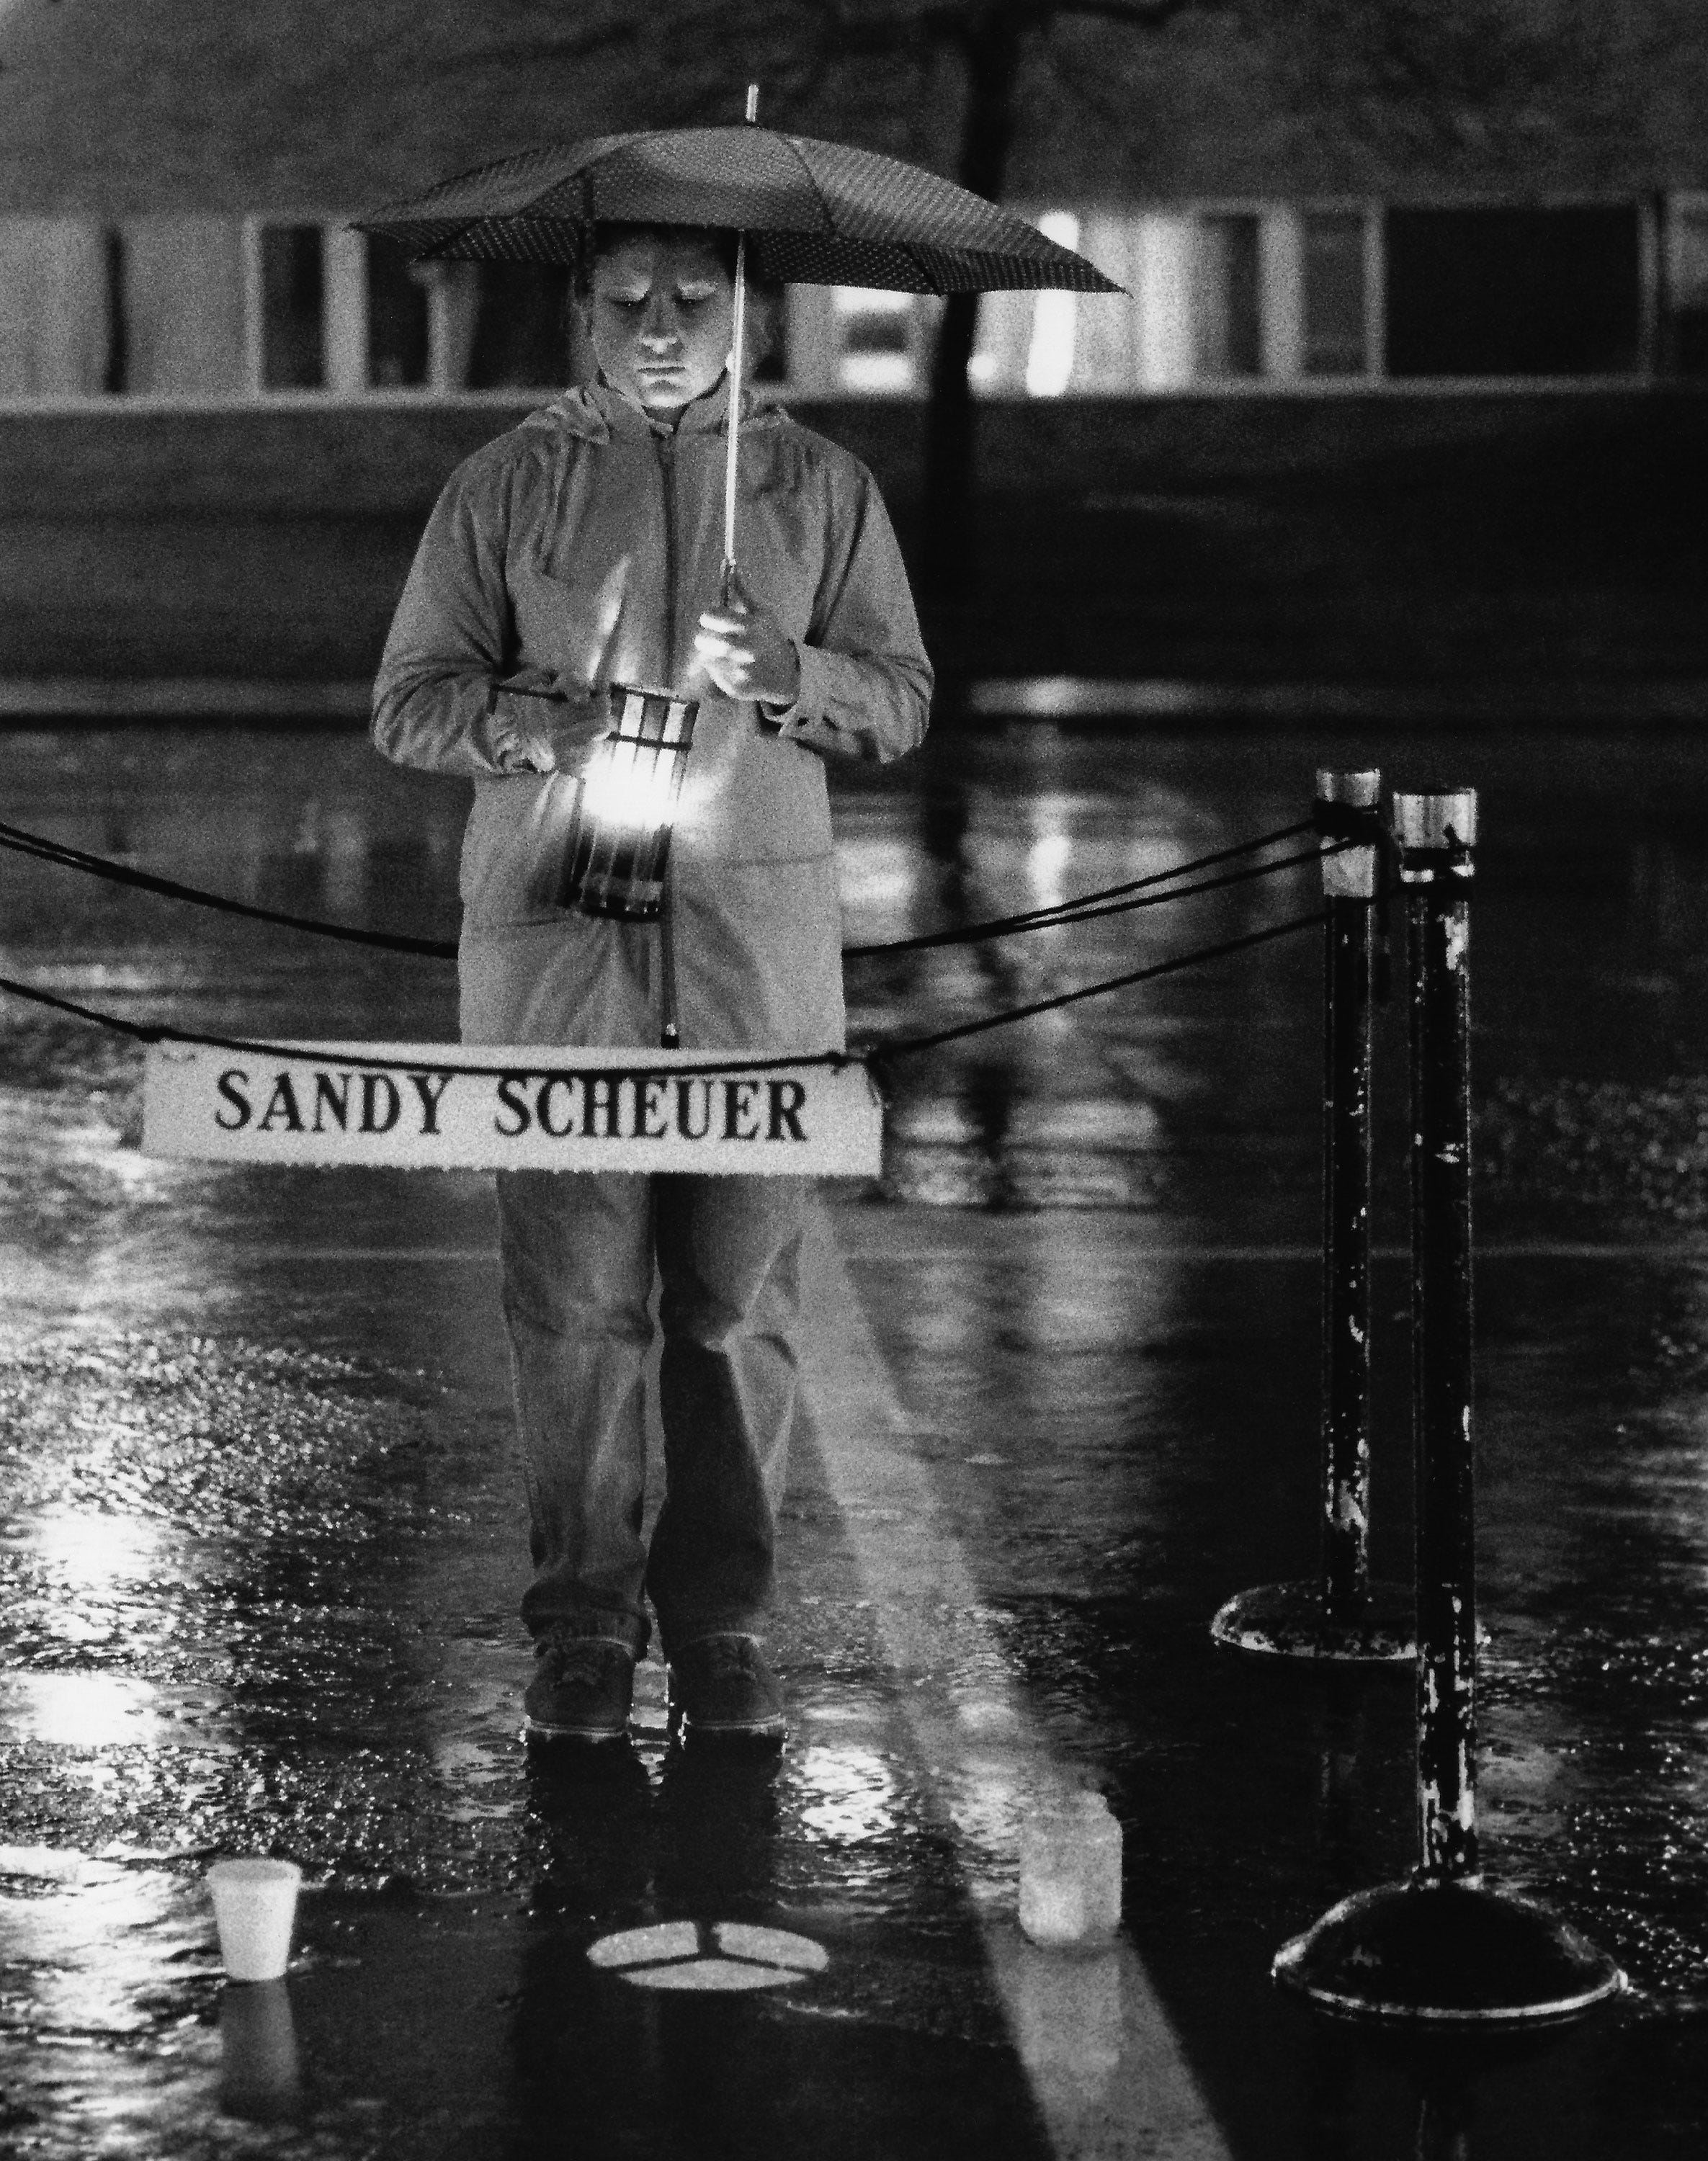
(628, 786)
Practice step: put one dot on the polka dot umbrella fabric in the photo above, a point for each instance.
(816, 213)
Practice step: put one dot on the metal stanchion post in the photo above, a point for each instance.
(1443, 1948)
(1435, 869)
(1343, 1616)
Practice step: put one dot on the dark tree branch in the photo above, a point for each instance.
(1132, 14)
(869, 29)
(1077, 80)
(872, 33)
(991, 39)
(622, 34)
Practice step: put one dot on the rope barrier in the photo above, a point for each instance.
(152, 1033)
(1110, 900)
(1068, 911)
(908, 1046)
(35, 845)
(1085, 912)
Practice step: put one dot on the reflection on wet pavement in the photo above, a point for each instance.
(261, 1540)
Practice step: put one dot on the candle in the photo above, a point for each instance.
(1070, 1871)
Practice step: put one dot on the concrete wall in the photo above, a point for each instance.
(1243, 538)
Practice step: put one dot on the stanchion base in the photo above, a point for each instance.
(1445, 1955)
(1288, 1621)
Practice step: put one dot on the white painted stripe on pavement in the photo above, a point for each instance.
(1108, 2073)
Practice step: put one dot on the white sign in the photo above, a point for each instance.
(529, 1108)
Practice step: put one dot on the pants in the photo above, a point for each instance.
(578, 1250)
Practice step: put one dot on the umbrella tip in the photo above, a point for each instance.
(752, 115)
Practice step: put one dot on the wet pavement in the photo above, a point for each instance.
(261, 1533)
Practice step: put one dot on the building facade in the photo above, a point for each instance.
(1223, 294)
(209, 383)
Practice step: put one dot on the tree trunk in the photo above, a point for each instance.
(992, 49)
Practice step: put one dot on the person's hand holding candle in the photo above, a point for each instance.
(560, 726)
(746, 651)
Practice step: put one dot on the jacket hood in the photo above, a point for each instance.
(593, 413)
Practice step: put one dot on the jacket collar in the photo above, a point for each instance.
(707, 416)
(596, 411)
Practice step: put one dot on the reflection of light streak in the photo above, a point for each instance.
(876, 873)
(1069, 2018)
(89, 1959)
(987, 1794)
(854, 1795)
(1052, 847)
(79, 1710)
(344, 857)
(863, 1451)
(1046, 859)
(86, 1549)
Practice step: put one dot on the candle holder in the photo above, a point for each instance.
(625, 807)
(1070, 1871)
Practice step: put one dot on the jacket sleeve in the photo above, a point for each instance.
(448, 698)
(865, 680)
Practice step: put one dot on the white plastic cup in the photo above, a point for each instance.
(1100, 1862)
(254, 1904)
(1070, 1871)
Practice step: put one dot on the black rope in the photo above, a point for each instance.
(911, 1044)
(1084, 908)
(24, 843)
(138, 1029)
(143, 1032)
(1067, 911)
(980, 933)
(621, 1058)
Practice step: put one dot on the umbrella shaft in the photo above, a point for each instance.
(737, 341)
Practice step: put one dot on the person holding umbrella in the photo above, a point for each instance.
(585, 548)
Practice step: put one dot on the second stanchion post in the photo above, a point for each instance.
(1340, 1616)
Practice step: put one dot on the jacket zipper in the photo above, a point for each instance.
(670, 1033)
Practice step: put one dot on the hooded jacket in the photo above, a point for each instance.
(579, 550)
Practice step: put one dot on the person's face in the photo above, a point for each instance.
(659, 318)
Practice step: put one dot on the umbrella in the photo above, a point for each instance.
(806, 212)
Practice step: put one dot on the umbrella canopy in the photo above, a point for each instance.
(808, 213)
(815, 213)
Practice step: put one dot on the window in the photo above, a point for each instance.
(521, 329)
(1490, 292)
(1226, 313)
(1335, 294)
(56, 328)
(875, 337)
(181, 294)
(291, 308)
(769, 359)
(1686, 286)
(397, 316)
(333, 308)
